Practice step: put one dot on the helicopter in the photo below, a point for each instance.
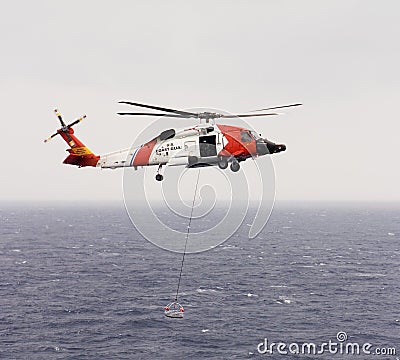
(204, 144)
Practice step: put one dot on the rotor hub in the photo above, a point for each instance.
(209, 115)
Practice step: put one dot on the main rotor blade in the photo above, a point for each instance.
(152, 114)
(246, 115)
(277, 107)
(189, 114)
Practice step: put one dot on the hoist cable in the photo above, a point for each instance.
(187, 235)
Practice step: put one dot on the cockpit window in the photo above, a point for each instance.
(245, 136)
(255, 135)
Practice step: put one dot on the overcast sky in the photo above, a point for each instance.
(340, 58)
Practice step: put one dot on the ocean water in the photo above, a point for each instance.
(81, 283)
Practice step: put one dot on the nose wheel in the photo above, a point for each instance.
(159, 177)
(223, 163)
(235, 166)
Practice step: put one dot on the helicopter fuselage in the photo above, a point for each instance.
(201, 145)
(205, 144)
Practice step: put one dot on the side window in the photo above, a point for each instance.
(167, 134)
(245, 136)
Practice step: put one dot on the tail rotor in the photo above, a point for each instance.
(64, 128)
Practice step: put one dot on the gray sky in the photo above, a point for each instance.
(340, 58)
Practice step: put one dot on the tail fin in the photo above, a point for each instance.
(80, 155)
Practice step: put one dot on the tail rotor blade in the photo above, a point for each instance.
(65, 127)
(50, 137)
(58, 114)
(76, 122)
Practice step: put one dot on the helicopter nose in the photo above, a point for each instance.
(274, 148)
(281, 147)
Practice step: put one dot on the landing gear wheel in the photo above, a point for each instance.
(222, 163)
(159, 177)
(235, 166)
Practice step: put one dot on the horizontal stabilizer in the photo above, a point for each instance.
(82, 160)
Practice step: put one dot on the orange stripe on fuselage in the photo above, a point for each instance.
(143, 155)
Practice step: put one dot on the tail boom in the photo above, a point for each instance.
(80, 155)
